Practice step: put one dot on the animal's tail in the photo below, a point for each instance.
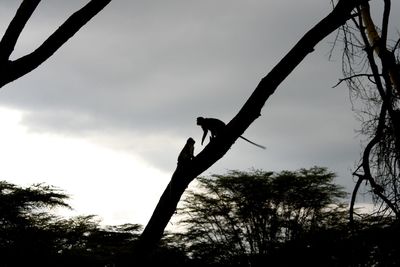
(260, 146)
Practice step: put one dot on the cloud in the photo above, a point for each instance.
(136, 77)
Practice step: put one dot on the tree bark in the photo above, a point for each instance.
(251, 110)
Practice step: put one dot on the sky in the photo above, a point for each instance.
(105, 118)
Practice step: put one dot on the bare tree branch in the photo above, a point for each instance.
(369, 76)
(378, 137)
(396, 45)
(385, 21)
(13, 70)
(354, 195)
(17, 24)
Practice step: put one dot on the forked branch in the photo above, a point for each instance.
(12, 70)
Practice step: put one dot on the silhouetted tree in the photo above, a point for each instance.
(260, 218)
(32, 235)
(243, 218)
(23, 222)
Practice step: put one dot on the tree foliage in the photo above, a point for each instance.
(247, 215)
(32, 235)
(239, 219)
(290, 218)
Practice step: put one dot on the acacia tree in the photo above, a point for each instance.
(251, 110)
(23, 212)
(31, 234)
(245, 217)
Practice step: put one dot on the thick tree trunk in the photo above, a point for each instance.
(249, 112)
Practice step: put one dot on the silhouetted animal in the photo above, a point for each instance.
(215, 126)
(187, 152)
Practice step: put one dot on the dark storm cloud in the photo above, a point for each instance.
(159, 57)
(141, 71)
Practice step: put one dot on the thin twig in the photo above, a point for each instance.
(352, 77)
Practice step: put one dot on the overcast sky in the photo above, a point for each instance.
(106, 117)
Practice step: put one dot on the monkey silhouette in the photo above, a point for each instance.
(215, 126)
(186, 152)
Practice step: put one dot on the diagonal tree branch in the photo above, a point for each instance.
(17, 24)
(251, 110)
(15, 69)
